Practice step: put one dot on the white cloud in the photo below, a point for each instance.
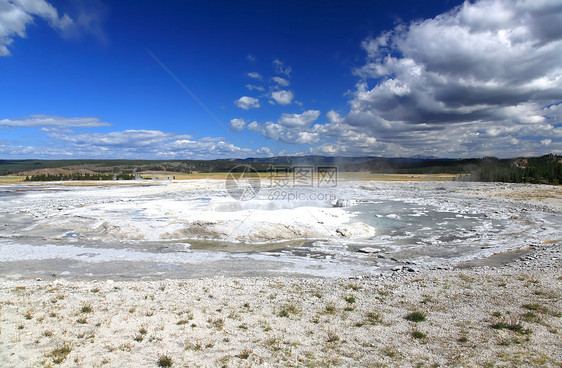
(246, 103)
(17, 14)
(127, 139)
(254, 126)
(255, 75)
(45, 121)
(282, 97)
(290, 128)
(253, 87)
(334, 117)
(281, 81)
(478, 80)
(281, 68)
(299, 120)
(149, 144)
(264, 152)
(237, 125)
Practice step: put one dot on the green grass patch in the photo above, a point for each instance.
(515, 327)
(416, 334)
(164, 361)
(416, 316)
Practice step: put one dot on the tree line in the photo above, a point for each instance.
(536, 170)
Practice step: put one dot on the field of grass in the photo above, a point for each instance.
(11, 179)
(266, 176)
(396, 177)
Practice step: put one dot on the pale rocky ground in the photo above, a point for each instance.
(293, 322)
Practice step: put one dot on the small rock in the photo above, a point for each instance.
(396, 268)
(344, 203)
(370, 250)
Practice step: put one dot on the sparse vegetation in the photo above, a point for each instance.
(515, 327)
(416, 334)
(374, 318)
(462, 339)
(164, 361)
(86, 309)
(466, 278)
(415, 316)
(217, 323)
(244, 354)
(332, 337)
(196, 346)
(330, 308)
(350, 299)
(288, 309)
(59, 354)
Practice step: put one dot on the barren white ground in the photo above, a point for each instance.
(496, 318)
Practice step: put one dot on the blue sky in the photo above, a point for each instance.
(222, 79)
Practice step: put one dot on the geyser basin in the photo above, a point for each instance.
(193, 228)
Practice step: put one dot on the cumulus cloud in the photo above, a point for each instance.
(150, 144)
(15, 15)
(50, 121)
(334, 117)
(60, 140)
(478, 80)
(247, 103)
(264, 152)
(255, 75)
(281, 81)
(237, 125)
(282, 97)
(299, 120)
(127, 139)
(290, 128)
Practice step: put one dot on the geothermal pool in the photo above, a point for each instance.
(194, 228)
